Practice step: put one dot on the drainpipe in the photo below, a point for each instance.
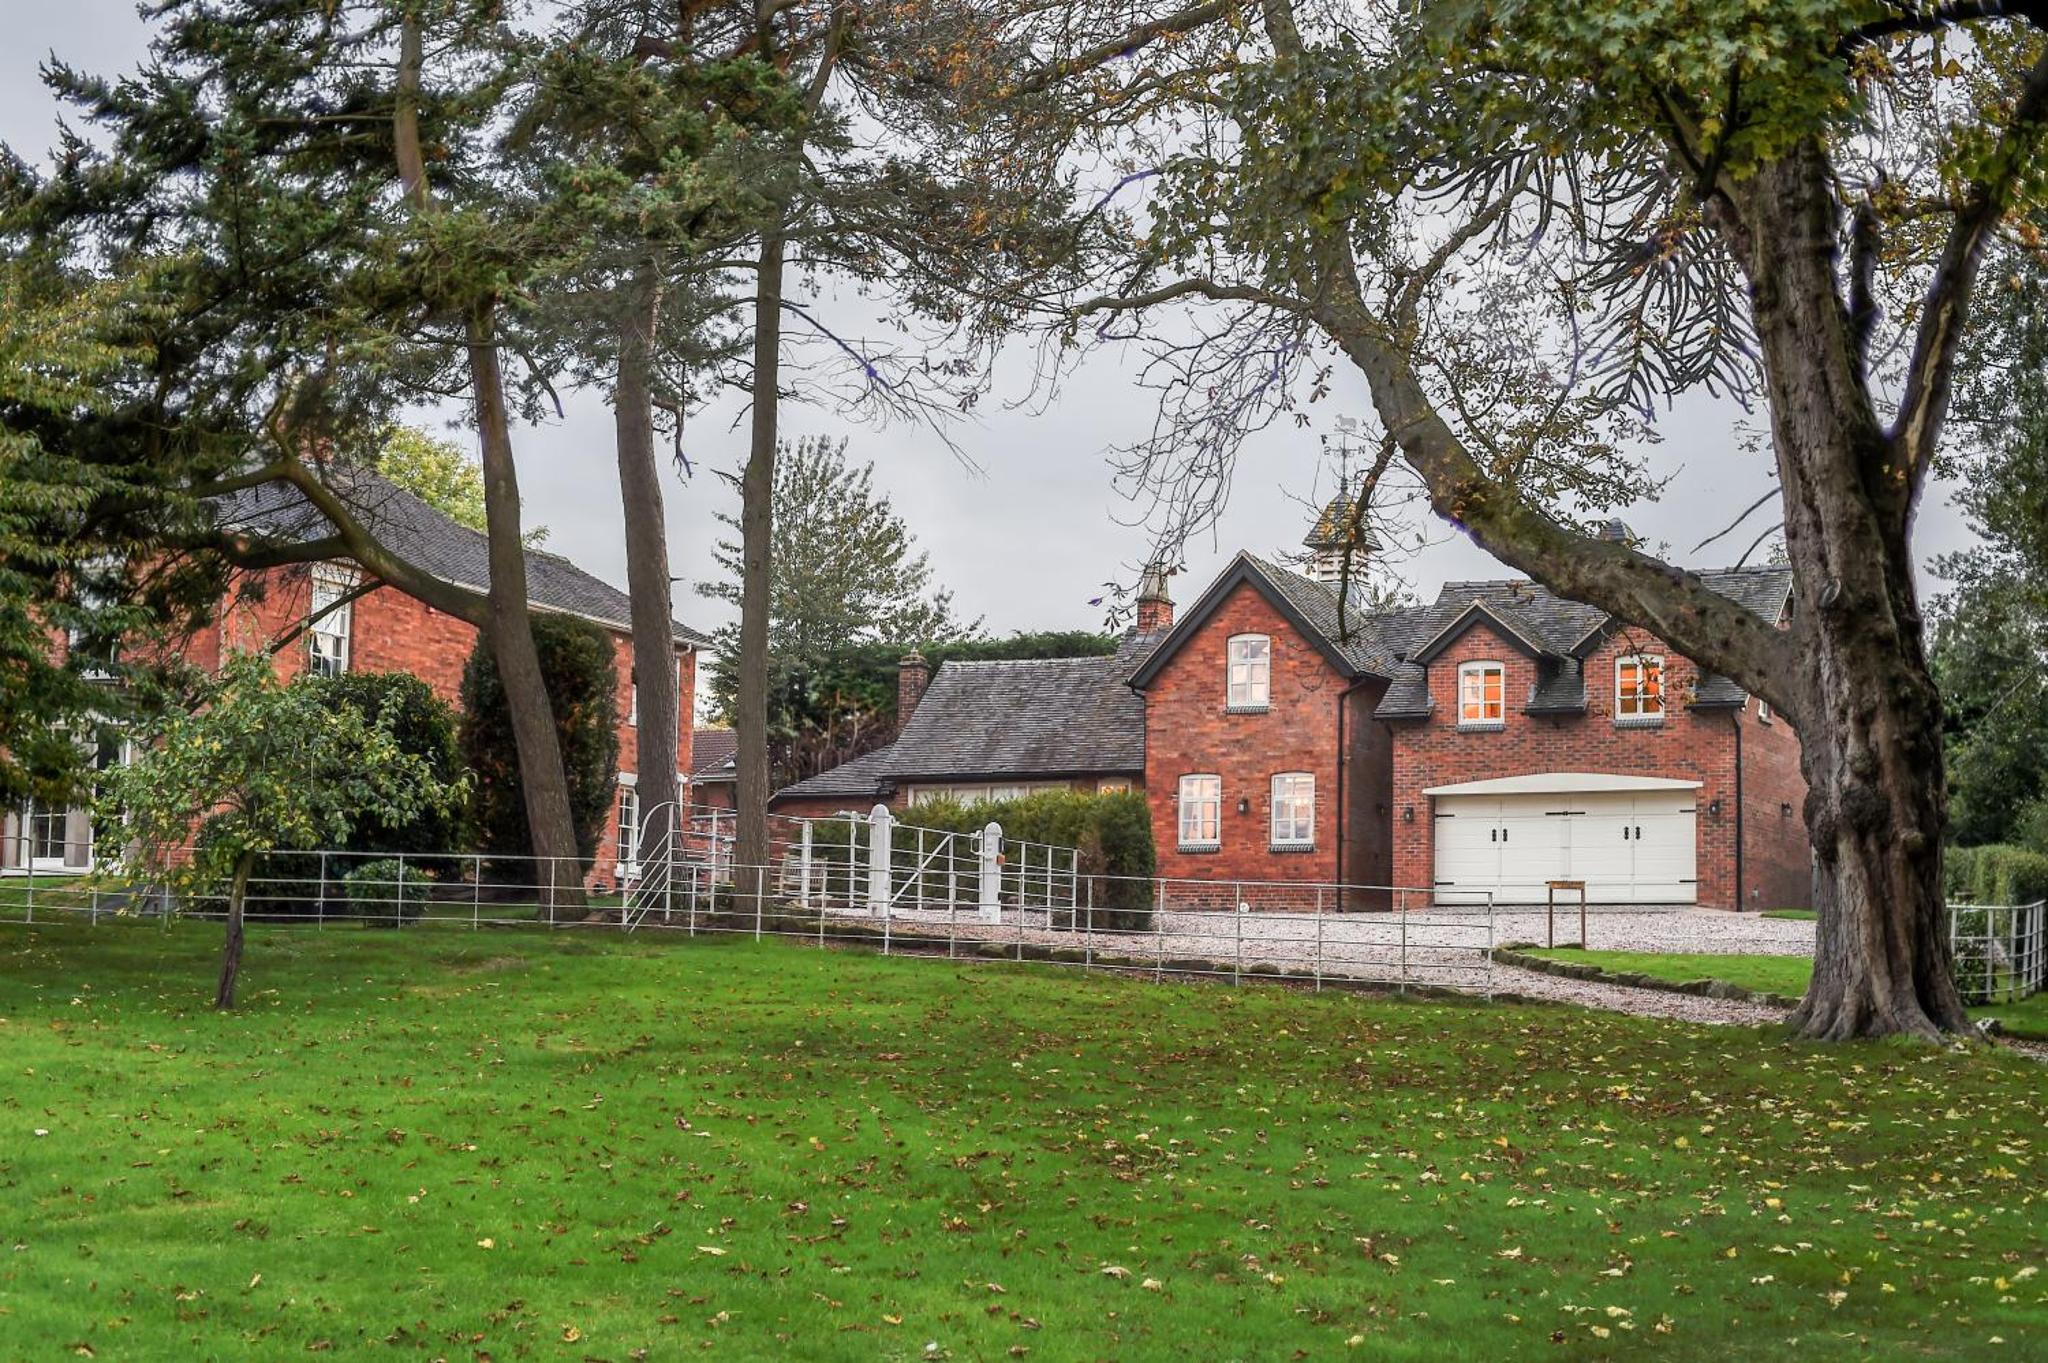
(1741, 902)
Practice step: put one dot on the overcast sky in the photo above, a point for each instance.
(1028, 538)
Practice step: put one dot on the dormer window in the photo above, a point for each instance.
(1251, 672)
(1482, 695)
(1639, 689)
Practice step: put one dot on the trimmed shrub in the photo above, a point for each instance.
(387, 893)
(1997, 874)
(579, 670)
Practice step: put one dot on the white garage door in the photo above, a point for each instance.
(1630, 846)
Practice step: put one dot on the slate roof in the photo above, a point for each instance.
(416, 532)
(865, 778)
(1009, 720)
(1563, 630)
(711, 755)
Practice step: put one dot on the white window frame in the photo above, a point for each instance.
(633, 703)
(1479, 668)
(1294, 809)
(1190, 804)
(1642, 716)
(627, 813)
(337, 627)
(1248, 680)
(1763, 710)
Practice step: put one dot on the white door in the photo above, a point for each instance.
(1467, 850)
(1534, 847)
(1664, 838)
(1636, 847)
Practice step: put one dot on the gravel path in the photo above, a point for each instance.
(1707, 931)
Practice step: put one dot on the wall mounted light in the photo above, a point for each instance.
(1244, 806)
(1785, 811)
(1407, 813)
(1714, 808)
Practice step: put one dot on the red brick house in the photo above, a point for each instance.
(1479, 746)
(382, 630)
(1482, 745)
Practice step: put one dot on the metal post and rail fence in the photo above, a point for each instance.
(874, 880)
(865, 880)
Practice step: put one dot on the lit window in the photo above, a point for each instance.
(1201, 811)
(1480, 696)
(629, 827)
(332, 615)
(1294, 809)
(1251, 672)
(1639, 689)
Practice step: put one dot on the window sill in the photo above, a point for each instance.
(1247, 709)
(1639, 721)
(1197, 849)
(1481, 726)
(1285, 847)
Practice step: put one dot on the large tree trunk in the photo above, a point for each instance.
(543, 781)
(648, 583)
(757, 492)
(231, 949)
(1868, 714)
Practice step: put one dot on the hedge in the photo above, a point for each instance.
(1112, 833)
(1997, 874)
(580, 673)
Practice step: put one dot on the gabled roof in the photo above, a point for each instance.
(712, 755)
(1350, 640)
(1562, 632)
(1505, 622)
(1008, 720)
(416, 532)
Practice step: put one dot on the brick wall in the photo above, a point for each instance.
(1777, 859)
(1690, 745)
(1189, 730)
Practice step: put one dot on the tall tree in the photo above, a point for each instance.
(442, 475)
(1524, 225)
(846, 572)
(1990, 650)
(666, 109)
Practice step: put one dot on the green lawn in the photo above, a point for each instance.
(1796, 915)
(510, 1145)
(1779, 974)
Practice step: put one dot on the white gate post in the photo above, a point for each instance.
(803, 867)
(992, 873)
(880, 821)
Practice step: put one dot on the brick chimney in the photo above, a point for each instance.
(913, 675)
(1616, 531)
(1155, 604)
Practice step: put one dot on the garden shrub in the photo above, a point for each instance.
(580, 671)
(387, 893)
(425, 726)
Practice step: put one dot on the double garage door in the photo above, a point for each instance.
(1630, 847)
